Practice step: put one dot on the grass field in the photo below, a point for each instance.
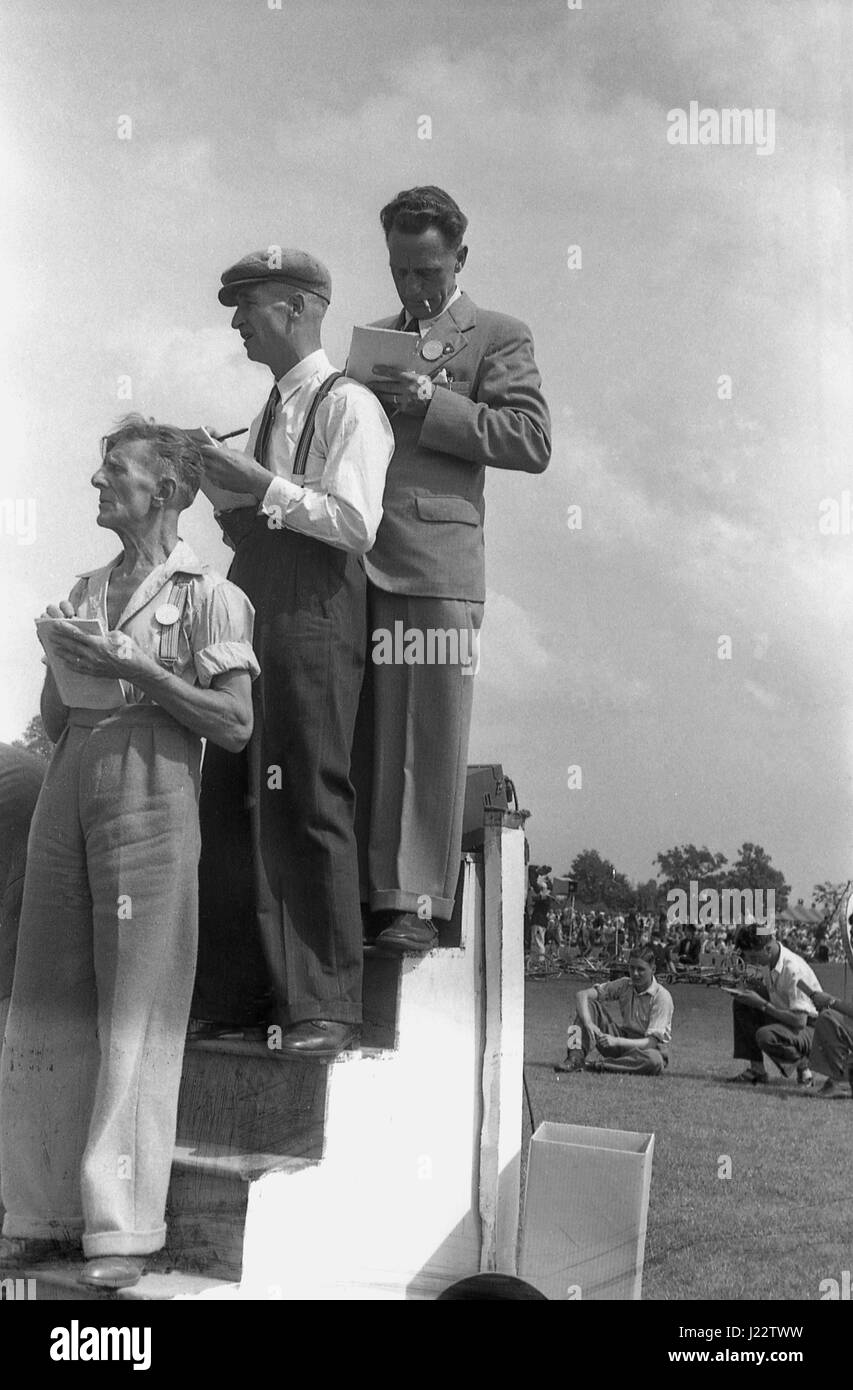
(783, 1222)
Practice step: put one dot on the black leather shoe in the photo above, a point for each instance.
(18, 1251)
(408, 932)
(113, 1271)
(318, 1037)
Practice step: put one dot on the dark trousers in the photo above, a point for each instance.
(832, 1048)
(280, 918)
(21, 776)
(753, 1035)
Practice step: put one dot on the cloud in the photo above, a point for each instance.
(767, 699)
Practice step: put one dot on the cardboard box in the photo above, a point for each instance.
(586, 1206)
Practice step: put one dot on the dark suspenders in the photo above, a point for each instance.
(238, 522)
(307, 435)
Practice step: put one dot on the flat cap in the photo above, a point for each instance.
(294, 268)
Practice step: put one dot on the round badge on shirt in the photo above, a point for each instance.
(432, 350)
(167, 614)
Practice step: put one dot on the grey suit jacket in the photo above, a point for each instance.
(430, 539)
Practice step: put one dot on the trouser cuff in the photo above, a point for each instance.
(303, 1010)
(396, 900)
(124, 1243)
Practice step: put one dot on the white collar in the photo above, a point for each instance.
(315, 364)
(426, 324)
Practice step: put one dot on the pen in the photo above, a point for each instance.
(231, 435)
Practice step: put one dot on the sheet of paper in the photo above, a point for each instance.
(372, 348)
(76, 690)
(222, 499)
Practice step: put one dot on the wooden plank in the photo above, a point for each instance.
(252, 1103)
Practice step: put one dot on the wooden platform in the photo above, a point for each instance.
(387, 1173)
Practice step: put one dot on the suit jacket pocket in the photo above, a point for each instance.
(434, 508)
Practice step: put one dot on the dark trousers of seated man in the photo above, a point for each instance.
(650, 1061)
(832, 1046)
(754, 1035)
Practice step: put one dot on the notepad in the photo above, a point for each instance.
(76, 690)
(373, 349)
(222, 499)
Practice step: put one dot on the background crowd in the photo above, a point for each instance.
(559, 926)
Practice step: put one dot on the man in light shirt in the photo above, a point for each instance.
(636, 1042)
(776, 1019)
(313, 474)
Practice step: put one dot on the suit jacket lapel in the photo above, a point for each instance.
(450, 331)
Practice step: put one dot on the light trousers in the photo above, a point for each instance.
(95, 1036)
(410, 755)
(651, 1061)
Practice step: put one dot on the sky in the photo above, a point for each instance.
(686, 645)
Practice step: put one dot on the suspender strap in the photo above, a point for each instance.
(307, 434)
(170, 635)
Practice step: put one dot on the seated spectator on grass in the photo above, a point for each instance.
(639, 1041)
(662, 952)
(688, 949)
(774, 1018)
(832, 1044)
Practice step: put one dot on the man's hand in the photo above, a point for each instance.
(235, 471)
(63, 609)
(403, 393)
(749, 996)
(817, 996)
(114, 655)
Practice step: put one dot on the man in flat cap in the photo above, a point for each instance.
(313, 477)
(474, 403)
(775, 1020)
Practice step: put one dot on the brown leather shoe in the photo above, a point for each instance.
(318, 1037)
(408, 932)
(113, 1271)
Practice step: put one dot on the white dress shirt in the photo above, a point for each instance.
(339, 498)
(782, 981)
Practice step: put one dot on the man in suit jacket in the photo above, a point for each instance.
(474, 402)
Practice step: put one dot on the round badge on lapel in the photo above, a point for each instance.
(167, 614)
(431, 350)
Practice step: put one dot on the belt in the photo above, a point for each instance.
(126, 714)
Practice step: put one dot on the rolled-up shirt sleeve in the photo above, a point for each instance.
(344, 506)
(660, 1018)
(222, 629)
(612, 990)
